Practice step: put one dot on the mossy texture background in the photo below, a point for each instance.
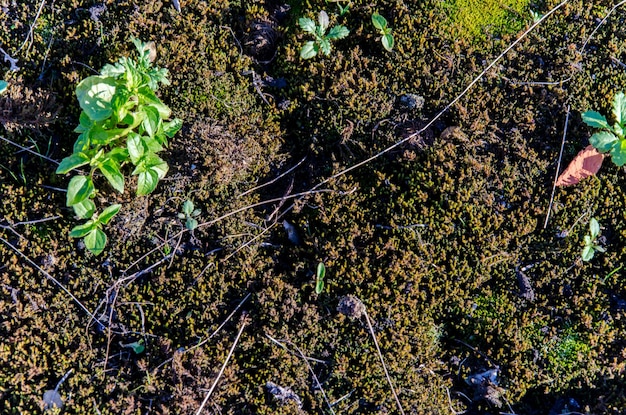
(442, 238)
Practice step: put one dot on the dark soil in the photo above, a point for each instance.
(431, 224)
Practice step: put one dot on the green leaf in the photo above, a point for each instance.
(119, 154)
(94, 95)
(147, 97)
(135, 147)
(325, 46)
(323, 20)
(603, 141)
(618, 153)
(81, 143)
(72, 162)
(113, 70)
(84, 209)
(137, 347)
(156, 163)
(387, 41)
(172, 127)
(594, 228)
(82, 230)
(153, 144)
(3, 86)
(191, 224)
(379, 22)
(319, 280)
(306, 24)
(595, 119)
(79, 189)
(587, 253)
(120, 103)
(108, 213)
(619, 108)
(309, 50)
(146, 182)
(188, 207)
(151, 123)
(338, 32)
(95, 241)
(111, 170)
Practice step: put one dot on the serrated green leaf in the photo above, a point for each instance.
(325, 46)
(113, 70)
(79, 189)
(72, 162)
(191, 224)
(95, 241)
(309, 50)
(111, 170)
(619, 107)
(84, 209)
(108, 213)
(618, 153)
(603, 141)
(306, 24)
(188, 207)
(387, 41)
(82, 230)
(338, 32)
(595, 119)
(94, 95)
(146, 182)
(379, 21)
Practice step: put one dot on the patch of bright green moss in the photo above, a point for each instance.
(477, 19)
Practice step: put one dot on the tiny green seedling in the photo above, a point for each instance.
(342, 9)
(536, 16)
(3, 86)
(189, 214)
(95, 239)
(380, 23)
(319, 278)
(137, 346)
(322, 39)
(591, 247)
(611, 139)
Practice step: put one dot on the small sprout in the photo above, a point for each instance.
(322, 39)
(137, 346)
(319, 278)
(189, 214)
(3, 86)
(591, 247)
(610, 139)
(536, 16)
(380, 23)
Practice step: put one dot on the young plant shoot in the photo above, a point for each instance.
(122, 121)
(611, 138)
(591, 247)
(322, 39)
(380, 23)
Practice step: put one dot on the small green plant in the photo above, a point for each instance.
(380, 23)
(3, 86)
(611, 139)
(343, 10)
(137, 346)
(189, 214)
(322, 39)
(122, 121)
(319, 278)
(591, 247)
(536, 16)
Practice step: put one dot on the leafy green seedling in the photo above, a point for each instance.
(342, 9)
(95, 238)
(322, 39)
(122, 121)
(319, 278)
(3, 86)
(380, 23)
(137, 346)
(536, 16)
(189, 214)
(611, 139)
(590, 247)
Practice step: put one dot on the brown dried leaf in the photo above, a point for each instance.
(585, 164)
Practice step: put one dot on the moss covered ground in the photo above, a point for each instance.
(477, 302)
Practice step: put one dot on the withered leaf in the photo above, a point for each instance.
(586, 163)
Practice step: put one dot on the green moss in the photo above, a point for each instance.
(478, 20)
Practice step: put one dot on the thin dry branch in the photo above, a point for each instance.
(558, 168)
(219, 375)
